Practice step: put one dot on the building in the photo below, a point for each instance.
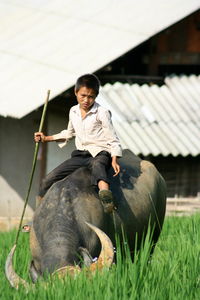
(33, 61)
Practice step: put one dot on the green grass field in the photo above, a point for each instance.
(172, 273)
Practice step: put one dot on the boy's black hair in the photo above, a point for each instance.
(90, 81)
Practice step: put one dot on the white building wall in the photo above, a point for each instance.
(16, 156)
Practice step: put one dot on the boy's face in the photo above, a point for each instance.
(85, 97)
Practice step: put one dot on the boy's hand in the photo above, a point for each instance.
(39, 137)
(115, 166)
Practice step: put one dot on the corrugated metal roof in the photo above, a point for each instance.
(47, 44)
(156, 120)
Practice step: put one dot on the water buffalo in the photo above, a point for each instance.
(60, 237)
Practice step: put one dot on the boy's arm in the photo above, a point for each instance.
(62, 137)
(112, 140)
(40, 137)
(115, 165)
(110, 134)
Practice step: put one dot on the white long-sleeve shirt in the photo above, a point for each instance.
(94, 133)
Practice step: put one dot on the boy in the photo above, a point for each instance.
(97, 145)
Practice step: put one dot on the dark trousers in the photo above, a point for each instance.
(99, 166)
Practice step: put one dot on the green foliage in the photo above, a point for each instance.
(173, 272)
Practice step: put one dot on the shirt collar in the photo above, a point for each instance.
(94, 108)
(76, 108)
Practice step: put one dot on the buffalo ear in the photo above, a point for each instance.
(87, 258)
(33, 272)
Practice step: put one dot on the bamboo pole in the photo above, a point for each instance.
(33, 166)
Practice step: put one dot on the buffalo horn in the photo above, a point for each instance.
(106, 256)
(12, 277)
(71, 270)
